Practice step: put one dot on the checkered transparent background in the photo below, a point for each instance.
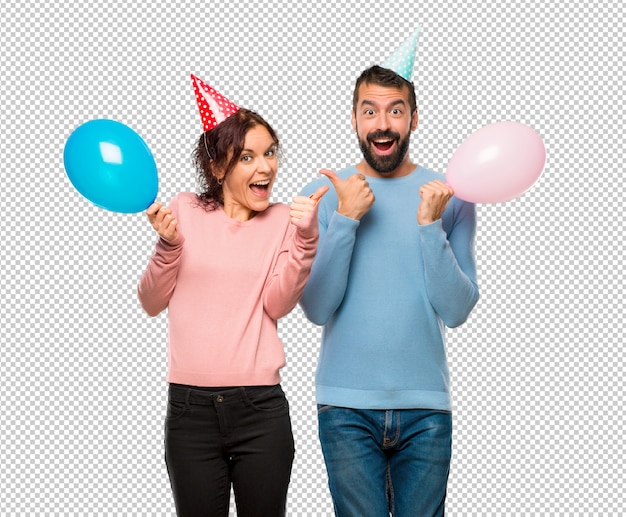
(537, 370)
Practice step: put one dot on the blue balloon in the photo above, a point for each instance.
(111, 165)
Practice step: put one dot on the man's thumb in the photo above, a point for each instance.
(332, 176)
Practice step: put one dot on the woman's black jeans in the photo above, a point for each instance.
(218, 437)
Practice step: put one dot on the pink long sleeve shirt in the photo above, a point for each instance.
(225, 283)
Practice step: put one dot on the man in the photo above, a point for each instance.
(395, 265)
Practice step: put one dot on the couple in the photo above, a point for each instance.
(380, 254)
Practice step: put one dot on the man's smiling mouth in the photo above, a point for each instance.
(383, 144)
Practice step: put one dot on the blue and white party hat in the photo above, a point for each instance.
(402, 60)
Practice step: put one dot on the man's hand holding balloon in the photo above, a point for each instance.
(435, 196)
(355, 197)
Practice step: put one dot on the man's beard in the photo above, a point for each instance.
(388, 163)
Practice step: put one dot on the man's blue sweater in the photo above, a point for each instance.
(384, 288)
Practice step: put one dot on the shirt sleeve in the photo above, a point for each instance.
(158, 281)
(327, 284)
(291, 272)
(450, 265)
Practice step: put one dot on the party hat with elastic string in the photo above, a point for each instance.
(213, 106)
(402, 60)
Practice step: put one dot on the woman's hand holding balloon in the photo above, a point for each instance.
(163, 222)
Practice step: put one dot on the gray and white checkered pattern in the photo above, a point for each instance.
(537, 370)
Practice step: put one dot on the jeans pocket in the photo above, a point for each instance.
(323, 407)
(266, 398)
(175, 409)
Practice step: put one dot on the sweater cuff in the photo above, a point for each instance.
(172, 245)
(307, 241)
(343, 222)
(171, 249)
(430, 230)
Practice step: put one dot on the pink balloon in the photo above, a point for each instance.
(497, 163)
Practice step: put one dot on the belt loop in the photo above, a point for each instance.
(187, 397)
(244, 395)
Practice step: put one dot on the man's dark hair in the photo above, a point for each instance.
(383, 77)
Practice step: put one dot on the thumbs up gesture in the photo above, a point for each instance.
(355, 197)
(304, 211)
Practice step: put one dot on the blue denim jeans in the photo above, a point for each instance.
(216, 438)
(386, 461)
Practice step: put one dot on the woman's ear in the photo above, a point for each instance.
(219, 176)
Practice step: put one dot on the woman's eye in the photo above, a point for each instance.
(246, 158)
(270, 153)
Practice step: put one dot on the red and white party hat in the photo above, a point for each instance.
(213, 106)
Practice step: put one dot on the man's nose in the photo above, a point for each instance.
(383, 122)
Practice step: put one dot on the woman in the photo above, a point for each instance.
(228, 264)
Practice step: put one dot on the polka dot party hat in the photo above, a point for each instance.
(402, 59)
(213, 106)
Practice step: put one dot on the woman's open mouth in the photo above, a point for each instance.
(260, 188)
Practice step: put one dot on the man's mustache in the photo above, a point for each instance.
(383, 134)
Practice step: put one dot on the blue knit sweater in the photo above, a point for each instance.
(385, 288)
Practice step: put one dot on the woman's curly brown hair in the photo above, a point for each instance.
(219, 149)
